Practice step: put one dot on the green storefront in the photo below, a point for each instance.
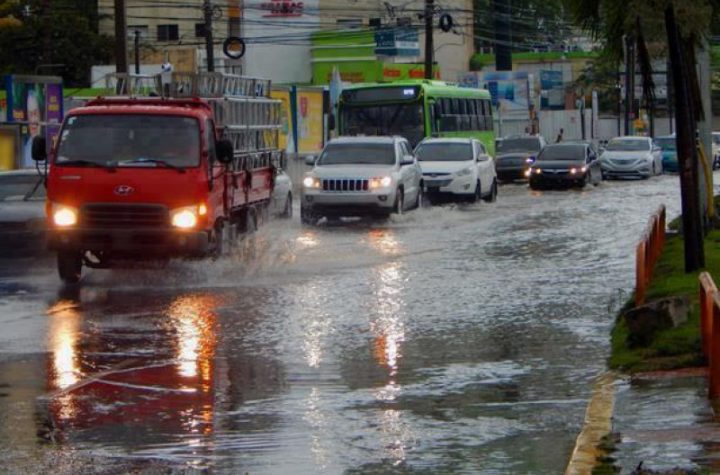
(353, 53)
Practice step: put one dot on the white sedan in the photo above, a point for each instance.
(631, 156)
(457, 168)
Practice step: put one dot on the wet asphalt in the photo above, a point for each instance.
(455, 339)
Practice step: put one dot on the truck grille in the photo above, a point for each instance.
(124, 216)
(345, 185)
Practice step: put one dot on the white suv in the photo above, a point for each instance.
(457, 168)
(360, 176)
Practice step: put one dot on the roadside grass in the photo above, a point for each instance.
(677, 347)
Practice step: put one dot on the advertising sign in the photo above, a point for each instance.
(397, 42)
(509, 89)
(35, 103)
(309, 120)
(552, 91)
(286, 133)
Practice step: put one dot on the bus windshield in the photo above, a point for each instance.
(405, 120)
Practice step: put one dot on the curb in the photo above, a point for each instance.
(598, 423)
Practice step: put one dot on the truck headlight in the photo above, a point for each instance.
(464, 172)
(311, 182)
(184, 218)
(64, 216)
(380, 182)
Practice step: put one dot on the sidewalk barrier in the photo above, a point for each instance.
(714, 360)
(647, 253)
(707, 293)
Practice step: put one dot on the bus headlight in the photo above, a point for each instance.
(184, 218)
(64, 216)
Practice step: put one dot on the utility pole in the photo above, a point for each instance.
(210, 53)
(503, 52)
(686, 148)
(670, 95)
(137, 51)
(429, 48)
(629, 81)
(121, 62)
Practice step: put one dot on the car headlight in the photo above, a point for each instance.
(380, 182)
(64, 216)
(464, 172)
(311, 182)
(575, 170)
(185, 218)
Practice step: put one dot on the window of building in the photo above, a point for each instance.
(350, 23)
(167, 33)
(199, 30)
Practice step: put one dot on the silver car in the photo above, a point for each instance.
(361, 176)
(631, 156)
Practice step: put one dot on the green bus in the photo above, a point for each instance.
(416, 109)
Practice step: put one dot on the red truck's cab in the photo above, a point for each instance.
(148, 178)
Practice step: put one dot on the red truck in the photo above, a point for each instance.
(181, 174)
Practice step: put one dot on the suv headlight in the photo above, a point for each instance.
(64, 216)
(311, 182)
(380, 182)
(464, 172)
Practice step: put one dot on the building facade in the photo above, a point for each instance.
(280, 34)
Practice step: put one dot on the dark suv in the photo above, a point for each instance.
(515, 154)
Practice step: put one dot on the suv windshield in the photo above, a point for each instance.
(358, 154)
(444, 152)
(562, 152)
(629, 145)
(130, 140)
(529, 144)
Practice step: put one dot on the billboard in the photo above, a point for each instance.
(552, 90)
(310, 120)
(36, 104)
(287, 142)
(397, 42)
(510, 90)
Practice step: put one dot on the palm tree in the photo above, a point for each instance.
(686, 23)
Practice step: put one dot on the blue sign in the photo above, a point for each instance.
(552, 90)
(397, 42)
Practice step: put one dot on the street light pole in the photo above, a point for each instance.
(137, 52)
(121, 63)
(429, 9)
(210, 53)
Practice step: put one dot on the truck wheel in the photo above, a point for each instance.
(69, 265)
(288, 211)
(478, 193)
(308, 217)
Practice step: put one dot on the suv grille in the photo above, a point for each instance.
(345, 185)
(124, 215)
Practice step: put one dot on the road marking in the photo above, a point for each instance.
(598, 423)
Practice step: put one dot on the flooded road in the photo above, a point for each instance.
(448, 340)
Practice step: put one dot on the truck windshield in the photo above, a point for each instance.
(129, 140)
(405, 120)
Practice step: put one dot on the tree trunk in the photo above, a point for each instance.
(687, 151)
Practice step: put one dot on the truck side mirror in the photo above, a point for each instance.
(310, 160)
(39, 149)
(331, 122)
(224, 151)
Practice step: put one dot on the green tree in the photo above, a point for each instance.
(34, 33)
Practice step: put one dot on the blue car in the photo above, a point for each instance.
(669, 152)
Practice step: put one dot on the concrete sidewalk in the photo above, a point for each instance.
(662, 422)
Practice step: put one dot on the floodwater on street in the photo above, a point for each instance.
(448, 340)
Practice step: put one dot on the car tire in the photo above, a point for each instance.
(399, 206)
(477, 196)
(288, 210)
(69, 265)
(492, 197)
(309, 217)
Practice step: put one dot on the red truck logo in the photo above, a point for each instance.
(124, 190)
